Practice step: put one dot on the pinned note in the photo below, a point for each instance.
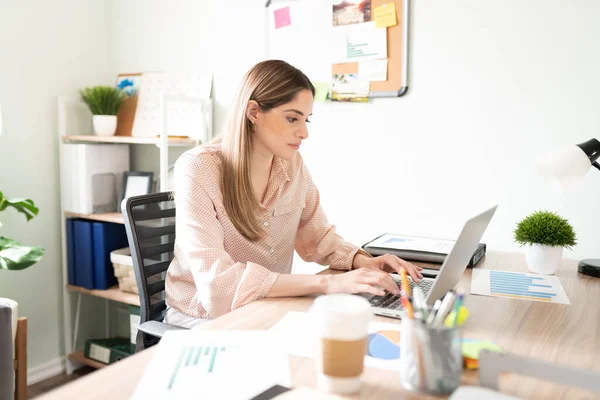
(282, 17)
(321, 91)
(373, 70)
(385, 15)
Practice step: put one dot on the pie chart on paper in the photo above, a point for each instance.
(384, 345)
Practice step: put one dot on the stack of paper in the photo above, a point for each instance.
(213, 365)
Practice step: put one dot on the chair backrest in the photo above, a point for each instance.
(150, 226)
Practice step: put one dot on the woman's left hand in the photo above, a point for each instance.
(388, 263)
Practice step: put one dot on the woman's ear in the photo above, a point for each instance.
(252, 111)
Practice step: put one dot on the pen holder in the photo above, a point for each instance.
(430, 357)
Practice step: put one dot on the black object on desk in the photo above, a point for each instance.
(376, 250)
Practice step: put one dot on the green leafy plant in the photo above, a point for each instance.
(545, 228)
(103, 100)
(13, 255)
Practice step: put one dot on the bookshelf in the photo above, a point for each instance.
(78, 357)
(113, 294)
(113, 217)
(74, 119)
(172, 141)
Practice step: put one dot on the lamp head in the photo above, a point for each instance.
(571, 162)
(591, 148)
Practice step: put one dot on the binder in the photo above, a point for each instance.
(106, 238)
(436, 254)
(71, 280)
(83, 246)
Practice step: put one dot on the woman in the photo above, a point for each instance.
(246, 202)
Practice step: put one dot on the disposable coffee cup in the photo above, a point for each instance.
(340, 325)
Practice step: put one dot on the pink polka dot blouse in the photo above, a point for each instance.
(216, 269)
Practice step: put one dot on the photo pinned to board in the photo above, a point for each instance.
(349, 88)
(347, 12)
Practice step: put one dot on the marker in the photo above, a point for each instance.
(419, 302)
(457, 305)
(445, 308)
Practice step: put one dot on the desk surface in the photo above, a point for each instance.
(552, 332)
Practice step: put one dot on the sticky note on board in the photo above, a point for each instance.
(385, 15)
(471, 349)
(282, 17)
(321, 91)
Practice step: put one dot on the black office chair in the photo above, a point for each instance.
(150, 226)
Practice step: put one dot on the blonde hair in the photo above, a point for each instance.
(270, 83)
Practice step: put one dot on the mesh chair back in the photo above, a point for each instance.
(150, 226)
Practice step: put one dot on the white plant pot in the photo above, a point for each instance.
(544, 259)
(104, 125)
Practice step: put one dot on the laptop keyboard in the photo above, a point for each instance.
(392, 301)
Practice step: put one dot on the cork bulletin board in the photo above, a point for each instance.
(298, 32)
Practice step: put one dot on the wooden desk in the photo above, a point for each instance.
(553, 332)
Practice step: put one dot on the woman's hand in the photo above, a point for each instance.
(362, 280)
(387, 263)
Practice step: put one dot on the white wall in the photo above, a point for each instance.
(46, 49)
(492, 84)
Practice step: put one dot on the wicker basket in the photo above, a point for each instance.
(123, 266)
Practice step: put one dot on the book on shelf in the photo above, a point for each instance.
(417, 248)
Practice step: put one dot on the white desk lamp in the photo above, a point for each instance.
(574, 162)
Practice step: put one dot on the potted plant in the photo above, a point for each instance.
(104, 103)
(13, 255)
(547, 234)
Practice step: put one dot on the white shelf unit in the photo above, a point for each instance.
(78, 121)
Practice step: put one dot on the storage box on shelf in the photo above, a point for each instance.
(123, 265)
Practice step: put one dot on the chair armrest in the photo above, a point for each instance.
(158, 329)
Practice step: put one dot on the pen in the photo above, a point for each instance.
(405, 284)
(457, 305)
(445, 308)
(434, 310)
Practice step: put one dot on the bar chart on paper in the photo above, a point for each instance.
(202, 359)
(201, 365)
(518, 285)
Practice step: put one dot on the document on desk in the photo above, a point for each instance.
(213, 365)
(518, 285)
(383, 345)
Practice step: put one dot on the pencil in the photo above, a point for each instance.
(405, 284)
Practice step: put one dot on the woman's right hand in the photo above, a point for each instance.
(362, 280)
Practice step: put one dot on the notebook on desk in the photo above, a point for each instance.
(416, 248)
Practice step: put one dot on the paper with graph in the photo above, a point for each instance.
(213, 365)
(518, 285)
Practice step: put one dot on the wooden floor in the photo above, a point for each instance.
(56, 381)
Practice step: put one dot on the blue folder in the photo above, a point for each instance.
(106, 237)
(70, 253)
(83, 247)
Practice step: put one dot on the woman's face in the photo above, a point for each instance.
(281, 130)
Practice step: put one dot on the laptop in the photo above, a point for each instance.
(450, 272)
